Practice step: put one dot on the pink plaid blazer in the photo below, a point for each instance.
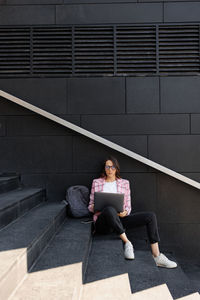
(123, 187)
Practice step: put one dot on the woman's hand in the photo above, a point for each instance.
(92, 207)
(122, 214)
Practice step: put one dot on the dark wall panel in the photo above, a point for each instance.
(89, 156)
(9, 108)
(164, 0)
(182, 12)
(97, 1)
(36, 154)
(178, 218)
(180, 94)
(137, 143)
(143, 190)
(2, 126)
(137, 124)
(177, 202)
(109, 13)
(96, 95)
(64, 181)
(20, 2)
(180, 153)
(181, 239)
(195, 176)
(142, 94)
(37, 126)
(35, 2)
(25, 15)
(57, 184)
(195, 124)
(46, 93)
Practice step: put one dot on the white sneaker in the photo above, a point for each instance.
(163, 261)
(128, 251)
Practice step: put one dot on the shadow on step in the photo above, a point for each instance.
(107, 260)
(69, 246)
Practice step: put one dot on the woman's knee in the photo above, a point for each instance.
(109, 210)
(151, 217)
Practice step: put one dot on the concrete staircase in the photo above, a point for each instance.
(73, 256)
(145, 280)
(40, 259)
(27, 223)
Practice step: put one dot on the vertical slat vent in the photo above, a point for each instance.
(94, 50)
(136, 50)
(52, 50)
(14, 51)
(179, 48)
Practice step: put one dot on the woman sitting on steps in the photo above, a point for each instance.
(109, 220)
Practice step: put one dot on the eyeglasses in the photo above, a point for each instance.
(110, 167)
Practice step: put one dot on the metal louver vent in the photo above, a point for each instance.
(52, 52)
(136, 49)
(179, 48)
(100, 50)
(93, 50)
(14, 51)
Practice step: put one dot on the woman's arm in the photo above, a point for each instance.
(127, 201)
(127, 198)
(91, 203)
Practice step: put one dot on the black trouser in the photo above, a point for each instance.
(109, 221)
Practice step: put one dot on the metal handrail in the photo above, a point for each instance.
(101, 140)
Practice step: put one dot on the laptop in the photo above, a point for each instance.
(103, 199)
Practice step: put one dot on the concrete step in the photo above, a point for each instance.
(194, 296)
(23, 241)
(177, 280)
(155, 293)
(146, 279)
(59, 271)
(8, 183)
(14, 204)
(112, 288)
(191, 267)
(114, 277)
(107, 260)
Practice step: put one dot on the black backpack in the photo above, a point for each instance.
(77, 198)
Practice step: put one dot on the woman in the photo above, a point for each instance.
(110, 221)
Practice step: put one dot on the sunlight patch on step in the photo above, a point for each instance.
(117, 287)
(155, 293)
(13, 267)
(57, 283)
(194, 296)
(10, 258)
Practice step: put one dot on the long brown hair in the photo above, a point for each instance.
(115, 164)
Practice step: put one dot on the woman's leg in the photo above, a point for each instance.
(155, 249)
(109, 221)
(124, 238)
(147, 219)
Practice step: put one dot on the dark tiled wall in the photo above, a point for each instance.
(157, 117)
(26, 12)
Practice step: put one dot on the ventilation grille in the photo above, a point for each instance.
(179, 49)
(136, 50)
(51, 50)
(14, 51)
(93, 50)
(108, 50)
